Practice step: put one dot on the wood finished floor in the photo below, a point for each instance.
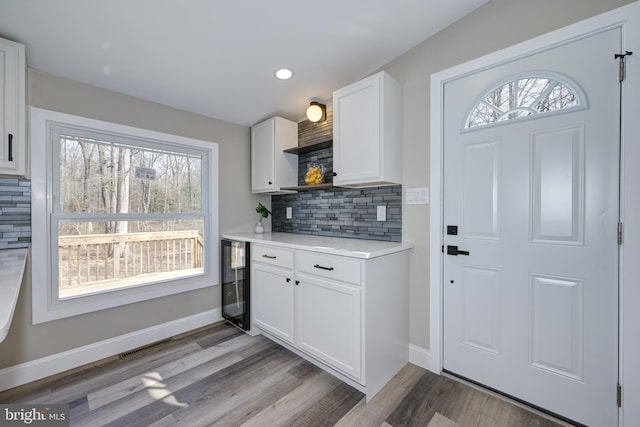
(219, 376)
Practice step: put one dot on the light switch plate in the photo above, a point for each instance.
(289, 213)
(382, 213)
(417, 196)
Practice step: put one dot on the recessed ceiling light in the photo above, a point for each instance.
(284, 74)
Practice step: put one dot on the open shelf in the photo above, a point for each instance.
(309, 187)
(302, 149)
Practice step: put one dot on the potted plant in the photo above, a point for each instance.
(264, 213)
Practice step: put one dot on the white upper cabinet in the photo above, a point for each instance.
(271, 168)
(367, 133)
(13, 152)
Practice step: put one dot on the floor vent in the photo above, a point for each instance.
(143, 348)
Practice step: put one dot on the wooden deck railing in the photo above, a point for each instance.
(96, 257)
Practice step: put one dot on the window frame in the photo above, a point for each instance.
(577, 90)
(46, 306)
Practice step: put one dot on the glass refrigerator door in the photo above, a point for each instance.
(235, 283)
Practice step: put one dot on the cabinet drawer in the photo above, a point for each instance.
(332, 267)
(272, 256)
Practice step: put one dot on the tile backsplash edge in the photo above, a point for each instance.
(15, 213)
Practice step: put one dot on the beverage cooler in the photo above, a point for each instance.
(235, 282)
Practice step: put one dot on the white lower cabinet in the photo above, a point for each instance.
(273, 288)
(347, 315)
(329, 322)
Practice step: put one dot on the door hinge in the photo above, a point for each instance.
(619, 395)
(621, 64)
(619, 233)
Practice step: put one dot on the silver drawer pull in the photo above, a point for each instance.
(322, 267)
(269, 256)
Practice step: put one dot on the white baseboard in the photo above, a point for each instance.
(27, 372)
(419, 356)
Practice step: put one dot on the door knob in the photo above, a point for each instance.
(453, 250)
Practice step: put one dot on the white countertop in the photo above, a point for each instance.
(355, 248)
(12, 263)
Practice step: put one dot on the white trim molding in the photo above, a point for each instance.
(34, 370)
(419, 356)
(628, 19)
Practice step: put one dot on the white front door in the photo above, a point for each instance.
(532, 310)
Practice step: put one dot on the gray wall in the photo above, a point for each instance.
(496, 25)
(27, 342)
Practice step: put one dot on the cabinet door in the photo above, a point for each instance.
(272, 300)
(329, 323)
(263, 157)
(356, 132)
(12, 109)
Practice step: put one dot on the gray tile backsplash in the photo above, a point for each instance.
(336, 212)
(323, 157)
(341, 212)
(15, 213)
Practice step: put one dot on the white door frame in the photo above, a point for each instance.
(627, 17)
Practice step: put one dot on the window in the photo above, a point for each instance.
(523, 97)
(121, 214)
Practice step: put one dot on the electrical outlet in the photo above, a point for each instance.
(289, 213)
(382, 213)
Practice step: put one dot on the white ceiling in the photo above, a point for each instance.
(217, 58)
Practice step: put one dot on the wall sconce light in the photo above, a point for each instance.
(316, 112)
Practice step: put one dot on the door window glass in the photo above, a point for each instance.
(524, 97)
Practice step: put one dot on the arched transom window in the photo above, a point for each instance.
(523, 97)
